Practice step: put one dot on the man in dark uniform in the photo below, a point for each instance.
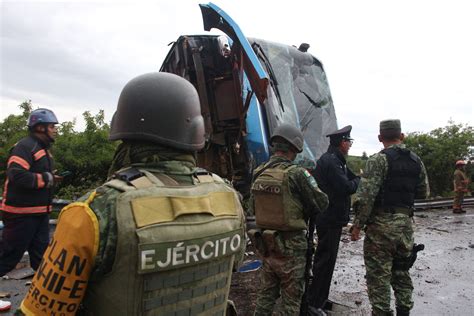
(28, 193)
(338, 182)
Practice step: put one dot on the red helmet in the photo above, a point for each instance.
(460, 163)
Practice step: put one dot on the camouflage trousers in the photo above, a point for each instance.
(388, 237)
(458, 199)
(281, 276)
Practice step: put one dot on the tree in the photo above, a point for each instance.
(12, 129)
(86, 154)
(439, 150)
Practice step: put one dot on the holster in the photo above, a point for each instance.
(256, 238)
(404, 264)
(273, 242)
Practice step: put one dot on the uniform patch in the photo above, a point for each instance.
(172, 255)
(310, 179)
(312, 182)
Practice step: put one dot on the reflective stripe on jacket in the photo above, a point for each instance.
(27, 189)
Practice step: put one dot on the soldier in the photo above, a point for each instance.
(461, 182)
(284, 196)
(391, 181)
(338, 182)
(28, 193)
(161, 236)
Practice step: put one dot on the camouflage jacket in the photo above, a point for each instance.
(302, 185)
(373, 179)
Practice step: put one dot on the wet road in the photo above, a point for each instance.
(443, 275)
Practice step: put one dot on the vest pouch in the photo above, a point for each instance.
(275, 206)
(269, 211)
(256, 238)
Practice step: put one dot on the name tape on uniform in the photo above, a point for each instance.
(172, 255)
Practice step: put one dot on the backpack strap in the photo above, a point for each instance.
(268, 166)
(132, 178)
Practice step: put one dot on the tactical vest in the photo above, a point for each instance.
(399, 187)
(275, 206)
(175, 249)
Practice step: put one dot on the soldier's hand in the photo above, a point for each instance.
(355, 233)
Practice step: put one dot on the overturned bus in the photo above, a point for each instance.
(248, 87)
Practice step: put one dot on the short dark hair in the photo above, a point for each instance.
(391, 134)
(336, 141)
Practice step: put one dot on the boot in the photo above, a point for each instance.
(402, 312)
(457, 211)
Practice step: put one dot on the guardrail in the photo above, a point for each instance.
(440, 203)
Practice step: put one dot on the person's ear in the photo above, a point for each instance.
(380, 138)
(402, 136)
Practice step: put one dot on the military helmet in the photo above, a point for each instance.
(41, 116)
(291, 134)
(159, 107)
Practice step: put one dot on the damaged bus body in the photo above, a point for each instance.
(248, 87)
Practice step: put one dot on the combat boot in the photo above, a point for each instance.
(402, 312)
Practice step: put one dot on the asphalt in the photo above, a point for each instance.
(443, 274)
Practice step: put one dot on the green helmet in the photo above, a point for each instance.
(159, 107)
(291, 134)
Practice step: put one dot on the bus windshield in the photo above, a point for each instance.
(299, 94)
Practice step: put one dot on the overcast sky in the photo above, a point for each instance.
(412, 60)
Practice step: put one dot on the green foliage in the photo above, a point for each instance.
(356, 163)
(86, 154)
(439, 150)
(12, 129)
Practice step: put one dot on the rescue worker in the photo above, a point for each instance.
(28, 193)
(338, 182)
(161, 236)
(283, 197)
(392, 180)
(460, 182)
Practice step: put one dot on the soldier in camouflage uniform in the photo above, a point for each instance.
(283, 198)
(161, 237)
(392, 179)
(461, 183)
